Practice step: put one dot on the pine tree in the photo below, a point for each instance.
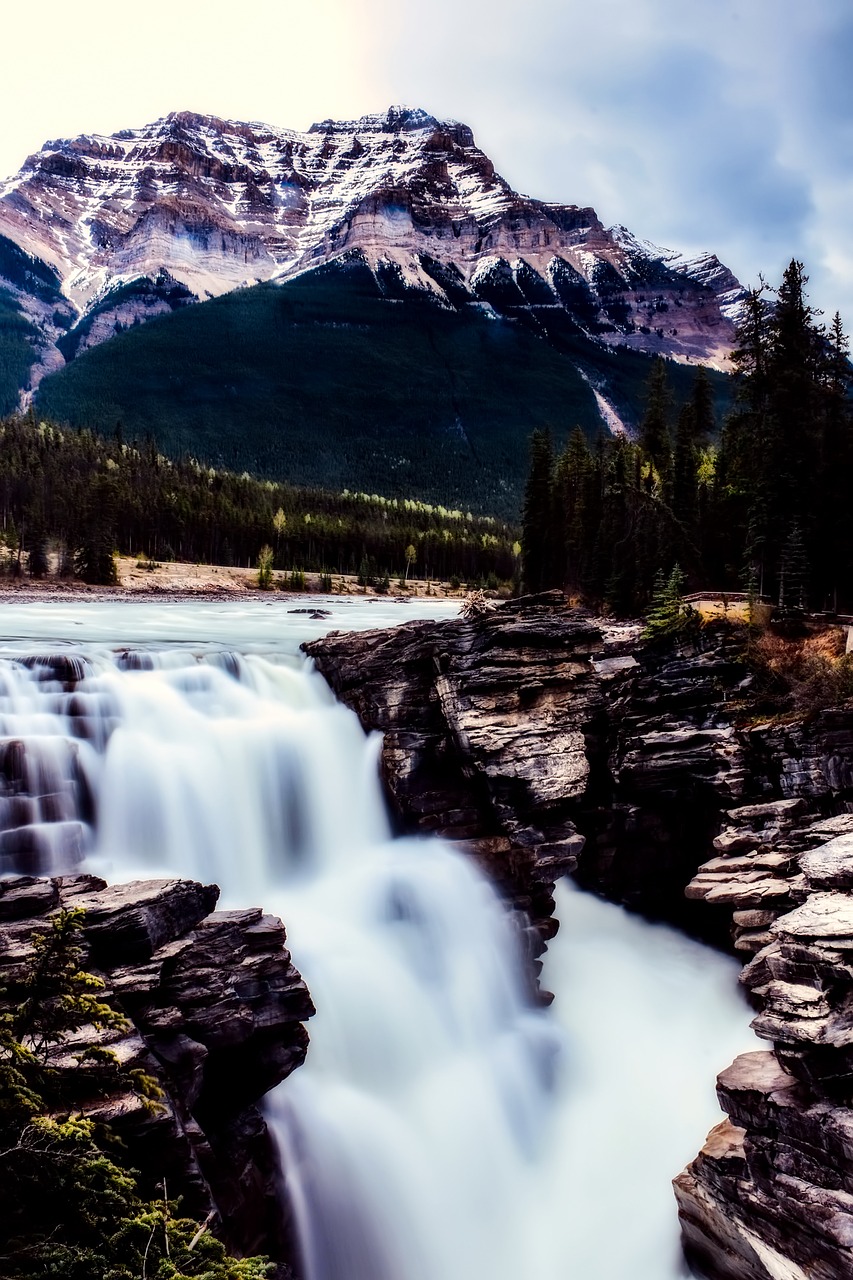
(537, 532)
(793, 572)
(685, 488)
(668, 613)
(702, 402)
(654, 428)
(571, 505)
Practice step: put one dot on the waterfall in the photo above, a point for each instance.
(442, 1128)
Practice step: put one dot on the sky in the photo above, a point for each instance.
(699, 124)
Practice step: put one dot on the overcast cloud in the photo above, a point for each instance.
(700, 124)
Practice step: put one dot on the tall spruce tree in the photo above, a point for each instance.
(572, 483)
(702, 402)
(538, 548)
(654, 429)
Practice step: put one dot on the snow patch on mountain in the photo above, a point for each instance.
(221, 204)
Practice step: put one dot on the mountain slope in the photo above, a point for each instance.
(213, 205)
(330, 379)
(363, 304)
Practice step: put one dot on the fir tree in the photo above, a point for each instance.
(702, 402)
(654, 428)
(537, 532)
(685, 487)
(793, 572)
(668, 613)
(572, 508)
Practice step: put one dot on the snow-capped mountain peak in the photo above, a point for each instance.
(207, 205)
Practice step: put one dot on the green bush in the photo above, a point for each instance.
(264, 566)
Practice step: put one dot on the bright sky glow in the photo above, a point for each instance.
(712, 124)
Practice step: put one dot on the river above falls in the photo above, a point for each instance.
(441, 1129)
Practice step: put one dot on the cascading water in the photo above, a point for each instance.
(441, 1128)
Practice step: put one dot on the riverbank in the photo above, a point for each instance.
(178, 581)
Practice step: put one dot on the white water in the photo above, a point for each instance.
(441, 1129)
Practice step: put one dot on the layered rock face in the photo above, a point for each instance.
(524, 732)
(216, 1012)
(218, 204)
(483, 735)
(771, 1194)
(533, 731)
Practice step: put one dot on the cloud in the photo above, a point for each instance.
(719, 124)
(711, 125)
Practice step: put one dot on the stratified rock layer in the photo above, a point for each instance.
(214, 204)
(528, 731)
(524, 731)
(483, 735)
(215, 1011)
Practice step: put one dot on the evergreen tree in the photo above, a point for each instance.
(37, 559)
(793, 572)
(832, 566)
(572, 509)
(702, 402)
(654, 428)
(685, 486)
(537, 532)
(668, 613)
(95, 558)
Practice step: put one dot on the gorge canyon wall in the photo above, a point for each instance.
(543, 742)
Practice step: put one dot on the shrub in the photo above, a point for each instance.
(668, 613)
(71, 1206)
(296, 581)
(265, 559)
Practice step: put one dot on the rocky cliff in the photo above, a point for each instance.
(538, 738)
(534, 732)
(771, 1193)
(214, 205)
(216, 1012)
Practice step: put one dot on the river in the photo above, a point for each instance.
(441, 1128)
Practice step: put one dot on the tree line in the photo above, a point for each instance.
(758, 505)
(87, 496)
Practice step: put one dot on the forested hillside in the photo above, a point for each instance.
(765, 511)
(331, 381)
(90, 496)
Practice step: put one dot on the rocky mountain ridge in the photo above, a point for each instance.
(127, 226)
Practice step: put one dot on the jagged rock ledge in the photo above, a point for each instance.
(483, 735)
(534, 732)
(216, 1012)
(771, 1193)
(526, 732)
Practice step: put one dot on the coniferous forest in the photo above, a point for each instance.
(88, 496)
(756, 504)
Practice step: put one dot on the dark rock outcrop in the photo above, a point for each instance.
(525, 732)
(530, 731)
(771, 1193)
(483, 735)
(215, 1011)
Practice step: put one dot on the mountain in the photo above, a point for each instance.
(101, 233)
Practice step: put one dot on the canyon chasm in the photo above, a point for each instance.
(536, 742)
